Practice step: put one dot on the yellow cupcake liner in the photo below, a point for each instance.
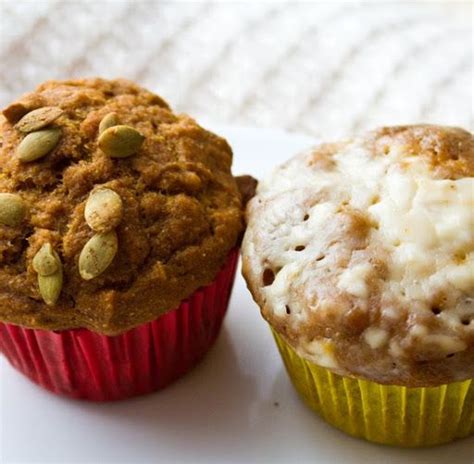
(387, 414)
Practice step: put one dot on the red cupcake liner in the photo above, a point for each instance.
(82, 364)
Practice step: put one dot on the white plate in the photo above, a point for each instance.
(236, 407)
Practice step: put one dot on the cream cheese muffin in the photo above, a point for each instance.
(360, 255)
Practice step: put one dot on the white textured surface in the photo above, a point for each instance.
(323, 68)
(237, 407)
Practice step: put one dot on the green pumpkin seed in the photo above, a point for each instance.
(46, 262)
(12, 209)
(50, 273)
(50, 287)
(38, 144)
(120, 141)
(97, 255)
(109, 120)
(37, 119)
(103, 211)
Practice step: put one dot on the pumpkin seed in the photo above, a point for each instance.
(120, 141)
(97, 255)
(109, 120)
(46, 262)
(38, 144)
(37, 119)
(50, 286)
(12, 209)
(103, 211)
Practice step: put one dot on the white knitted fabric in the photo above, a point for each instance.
(328, 69)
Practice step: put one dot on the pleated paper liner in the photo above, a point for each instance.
(85, 365)
(386, 414)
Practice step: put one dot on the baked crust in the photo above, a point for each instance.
(361, 255)
(181, 209)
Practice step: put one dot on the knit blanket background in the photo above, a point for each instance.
(324, 68)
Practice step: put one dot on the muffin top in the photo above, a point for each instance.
(361, 255)
(112, 208)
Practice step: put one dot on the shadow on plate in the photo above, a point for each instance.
(213, 400)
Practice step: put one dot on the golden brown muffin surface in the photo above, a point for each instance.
(361, 255)
(181, 208)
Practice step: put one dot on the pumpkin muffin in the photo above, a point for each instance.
(360, 255)
(119, 223)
